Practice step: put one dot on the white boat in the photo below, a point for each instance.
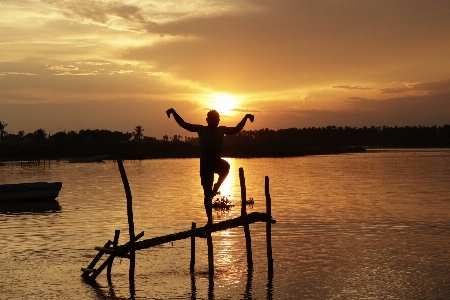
(90, 159)
(35, 192)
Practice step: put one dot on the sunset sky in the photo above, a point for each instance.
(71, 65)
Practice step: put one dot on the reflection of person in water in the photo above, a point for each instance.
(211, 139)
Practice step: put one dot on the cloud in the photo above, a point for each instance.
(121, 72)
(17, 73)
(289, 44)
(102, 12)
(350, 87)
(396, 90)
(94, 63)
(429, 87)
(76, 74)
(63, 68)
(246, 110)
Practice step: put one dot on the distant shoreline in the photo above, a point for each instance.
(228, 152)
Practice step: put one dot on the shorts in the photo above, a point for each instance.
(209, 167)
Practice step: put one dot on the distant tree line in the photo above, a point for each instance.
(247, 143)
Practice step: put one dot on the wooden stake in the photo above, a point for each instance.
(115, 242)
(85, 274)
(210, 251)
(269, 228)
(248, 239)
(193, 247)
(126, 186)
(111, 257)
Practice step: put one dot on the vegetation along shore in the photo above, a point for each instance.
(254, 143)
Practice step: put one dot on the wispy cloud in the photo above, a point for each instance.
(429, 87)
(246, 110)
(351, 87)
(396, 90)
(17, 73)
(63, 68)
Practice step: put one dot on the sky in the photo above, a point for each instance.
(71, 65)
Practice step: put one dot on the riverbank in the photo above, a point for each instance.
(155, 150)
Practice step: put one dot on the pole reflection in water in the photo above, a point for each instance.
(211, 288)
(270, 288)
(193, 287)
(248, 286)
(132, 287)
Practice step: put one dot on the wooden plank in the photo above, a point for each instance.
(105, 250)
(201, 231)
(121, 252)
(86, 270)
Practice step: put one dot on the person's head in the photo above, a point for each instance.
(213, 118)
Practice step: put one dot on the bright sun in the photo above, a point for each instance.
(223, 103)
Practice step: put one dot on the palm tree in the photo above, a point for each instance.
(40, 134)
(2, 130)
(138, 133)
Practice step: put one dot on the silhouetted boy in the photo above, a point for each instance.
(211, 140)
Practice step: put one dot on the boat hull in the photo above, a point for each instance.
(24, 192)
(88, 159)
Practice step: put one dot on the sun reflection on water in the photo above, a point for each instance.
(226, 187)
(228, 261)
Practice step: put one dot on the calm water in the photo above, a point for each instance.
(372, 225)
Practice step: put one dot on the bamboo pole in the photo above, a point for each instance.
(114, 244)
(199, 232)
(85, 273)
(269, 228)
(210, 250)
(248, 239)
(193, 247)
(126, 186)
(119, 253)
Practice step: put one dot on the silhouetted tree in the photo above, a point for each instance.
(40, 134)
(2, 130)
(138, 133)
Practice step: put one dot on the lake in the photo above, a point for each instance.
(373, 225)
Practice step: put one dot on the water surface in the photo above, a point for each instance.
(372, 225)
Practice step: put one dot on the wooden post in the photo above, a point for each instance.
(115, 242)
(248, 239)
(269, 228)
(130, 223)
(210, 251)
(193, 247)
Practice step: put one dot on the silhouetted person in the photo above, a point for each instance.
(211, 140)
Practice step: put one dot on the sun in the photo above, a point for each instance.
(223, 103)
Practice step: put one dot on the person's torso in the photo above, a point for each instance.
(211, 140)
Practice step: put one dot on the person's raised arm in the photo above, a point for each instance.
(181, 122)
(240, 125)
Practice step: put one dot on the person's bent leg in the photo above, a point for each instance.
(207, 183)
(223, 170)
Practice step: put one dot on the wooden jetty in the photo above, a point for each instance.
(128, 250)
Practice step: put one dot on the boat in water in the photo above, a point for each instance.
(29, 192)
(90, 159)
